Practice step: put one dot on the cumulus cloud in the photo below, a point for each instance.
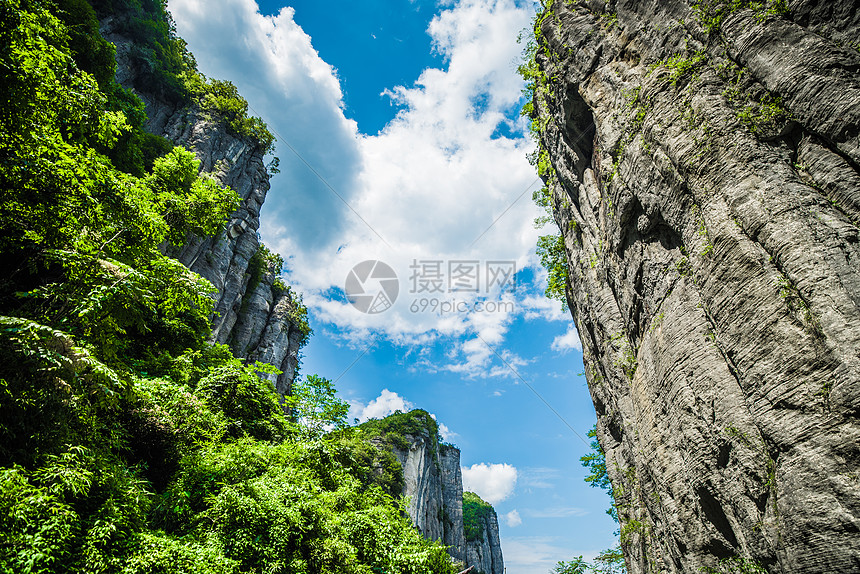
(568, 341)
(428, 187)
(385, 404)
(492, 482)
(447, 434)
(513, 519)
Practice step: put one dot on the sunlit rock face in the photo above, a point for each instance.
(433, 487)
(485, 553)
(250, 315)
(704, 169)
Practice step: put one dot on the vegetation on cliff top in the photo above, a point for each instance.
(128, 443)
(475, 515)
(164, 66)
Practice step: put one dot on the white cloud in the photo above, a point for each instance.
(385, 404)
(447, 434)
(513, 519)
(540, 477)
(533, 554)
(492, 482)
(557, 512)
(429, 183)
(568, 341)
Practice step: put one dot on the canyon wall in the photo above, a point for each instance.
(702, 161)
(433, 487)
(253, 314)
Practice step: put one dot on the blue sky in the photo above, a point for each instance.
(407, 111)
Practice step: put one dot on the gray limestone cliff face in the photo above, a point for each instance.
(707, 186)
(485, 553)
(254, 322)
(433, 485)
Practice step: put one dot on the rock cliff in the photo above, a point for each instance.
(254, 315)
(702, 161)
(483, 546)
(433, 486)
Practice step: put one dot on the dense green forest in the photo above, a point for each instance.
(128, 442)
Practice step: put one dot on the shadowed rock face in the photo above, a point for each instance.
(256, 323)
(707, 186)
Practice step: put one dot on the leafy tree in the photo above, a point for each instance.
(128, 443)
(315, 405)
(575, 566)
(475, 513)
(595, 462)
(550, 250)
(609, 561)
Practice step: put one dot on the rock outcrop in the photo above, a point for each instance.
(483, 546)
(703, 163)
(252, 315)
(433, 486)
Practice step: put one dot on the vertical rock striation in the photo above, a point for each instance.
(433, 487)
(255, 318)
(483, 546)
(703, 164)
(452, 501)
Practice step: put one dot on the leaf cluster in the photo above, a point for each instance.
(128, 443)
(476, 512)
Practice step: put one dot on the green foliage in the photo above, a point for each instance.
(265, 261)
(595, 462)
(712, 13)
(680, 66)
(475, 514)
(249, 402)
(551, 251)
(393, 429)
(315, 406)
(128, 443)
(163, 66)
(223, 97)
(610, 561)
(291, 508)
(576, 566)
(371, 465)
(736, 565)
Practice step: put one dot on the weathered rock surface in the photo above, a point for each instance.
(256, 324)
(485, 553)
(433, 487)
(707, 186)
